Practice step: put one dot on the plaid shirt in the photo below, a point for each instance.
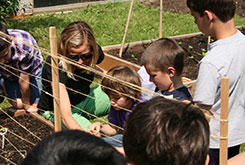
(23, 57)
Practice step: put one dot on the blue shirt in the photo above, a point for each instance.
(181, 93)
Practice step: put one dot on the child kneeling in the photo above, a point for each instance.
(124, 93)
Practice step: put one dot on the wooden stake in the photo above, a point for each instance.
(55, 78)
(126, 28)
(209, 39)
(160, 23)
(224, 121)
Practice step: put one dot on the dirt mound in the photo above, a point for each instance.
(179, 6)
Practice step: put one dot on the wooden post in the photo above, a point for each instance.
(209, 39)
(224, 121)
(160, 23)
(55, 78)
(126, 28)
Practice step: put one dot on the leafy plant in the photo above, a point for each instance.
(8, 8)
(133, 56)
(204, 52)
(190, 47)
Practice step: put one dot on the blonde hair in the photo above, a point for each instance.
(126, 74)
(75, 35)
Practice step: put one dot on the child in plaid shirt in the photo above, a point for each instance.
(20, 68)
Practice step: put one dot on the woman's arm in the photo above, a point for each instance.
(237, 160)
(65, 109)
(98, 68)
(108, 130)
(98, 127)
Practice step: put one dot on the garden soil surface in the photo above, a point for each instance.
(195, 48)
(13, 143)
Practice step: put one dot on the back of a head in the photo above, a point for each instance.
(223, 9)
(126, 75)
(4, 44)
(163, 131)
(74, 147)
(164, 53)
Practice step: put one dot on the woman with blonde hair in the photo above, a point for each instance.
(77, 43)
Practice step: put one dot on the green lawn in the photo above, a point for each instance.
(108, 22)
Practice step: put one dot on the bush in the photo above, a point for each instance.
(8, 8)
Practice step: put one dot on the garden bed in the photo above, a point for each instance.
(21, 139)
(194, 44)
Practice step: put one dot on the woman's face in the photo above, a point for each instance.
(82, 54)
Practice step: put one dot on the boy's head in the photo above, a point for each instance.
(74, 147)
(4, 44)
(163, 60)
(162, 131)
(223, 9)
(116, 89)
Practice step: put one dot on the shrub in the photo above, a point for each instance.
(8, 8)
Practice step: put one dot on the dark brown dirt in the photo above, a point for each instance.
(40, 129)
(179, 6)
(195, 48)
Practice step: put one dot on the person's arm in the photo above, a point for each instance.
(98, 68)
(237, 160)
(98, 127)
(94, 129)
(108, 129)
(65, 110)
(121, 150)
(24, 82)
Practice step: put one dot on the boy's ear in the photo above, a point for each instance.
(209, 14)
(171, 71)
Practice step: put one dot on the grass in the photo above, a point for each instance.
(108, 22)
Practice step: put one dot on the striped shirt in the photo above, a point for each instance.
(24, 57)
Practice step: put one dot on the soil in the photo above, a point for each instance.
(179, 6)
(195, 48)
(192, 45)
(38, 128)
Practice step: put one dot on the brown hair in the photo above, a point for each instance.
(162, 131)
(223, 9)
(4, 42)
(75, 35)
(125, 74)
(164, 53)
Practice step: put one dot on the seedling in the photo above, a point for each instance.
(3, 131)
(133, 56)
(204, 52)
(190, 47)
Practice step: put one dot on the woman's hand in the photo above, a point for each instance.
(94, 128)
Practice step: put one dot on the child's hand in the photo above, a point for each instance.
(32, 109)
(94, 128)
